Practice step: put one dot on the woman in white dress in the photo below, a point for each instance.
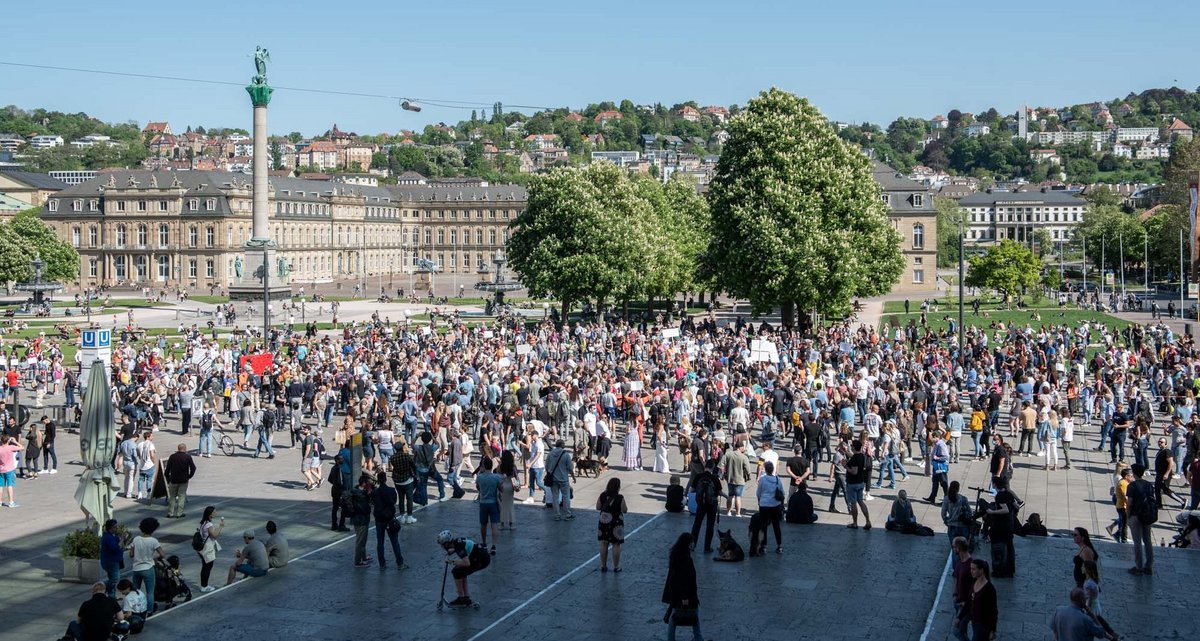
(660, 449)
(633, 449)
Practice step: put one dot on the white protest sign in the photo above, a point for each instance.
(671, 333)
(524, 349)
(763, 351)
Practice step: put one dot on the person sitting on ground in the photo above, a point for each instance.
(277, 547)
(675, 502)
(901, 517)
(251, 560)
(133, 605)
(96, 617)
(1034, 527)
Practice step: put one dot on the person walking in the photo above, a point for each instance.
(737, 473)
(983, 610)
(837, 474)
(1074, 623)
(680, 592)
(612, 508)
(962, 587)
(1141, 513)
(210, 530)
(383, 501)
(770, 497)
(310, 459)
(337, 491)
(940, 458)
(178, 470)
(956, 513)
(1084, 554)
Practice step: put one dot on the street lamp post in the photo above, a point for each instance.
(961, 260)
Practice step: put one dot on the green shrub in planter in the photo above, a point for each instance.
(84, 544)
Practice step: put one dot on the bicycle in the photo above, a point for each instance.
(225, 443)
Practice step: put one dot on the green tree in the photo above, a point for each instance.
(276, 155)
(1007, 268)
(1180, 170)
(1106, 228)
(582, 236)
(948, 216)
(27, 236)
(14, 255)
(679, 235)
(796, 217)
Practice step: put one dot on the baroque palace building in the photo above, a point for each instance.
(186, 228)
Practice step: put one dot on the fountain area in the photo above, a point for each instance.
(41, 291)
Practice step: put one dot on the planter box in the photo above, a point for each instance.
(80, 570)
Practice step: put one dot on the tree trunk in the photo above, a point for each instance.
(787, 313)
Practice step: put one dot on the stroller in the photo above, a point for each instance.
(169, 585)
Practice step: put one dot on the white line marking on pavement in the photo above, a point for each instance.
(564, 577)
(937, 598)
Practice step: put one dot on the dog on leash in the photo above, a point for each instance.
(729, 550)
(588, 466)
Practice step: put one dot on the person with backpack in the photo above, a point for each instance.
(1142, 513)
(265, 423)
(708, 494)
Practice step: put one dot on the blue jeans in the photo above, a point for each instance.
(146, 478)
(381, 530)
(206, 442)
(70, 390)
(264, 443)
(889, 464)
(961, 626)
(146, 577)
(953, 531)
(48, 454)
(975, 436)
(535, 475)
(1117, 447)
(696, 636)
(112, 573)
(423, 484)
(1105, 433)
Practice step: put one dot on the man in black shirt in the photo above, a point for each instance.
(95, 619)
(812, 438)
(1143, 512)
(708, 494)
(1164, 468)
(858, 474)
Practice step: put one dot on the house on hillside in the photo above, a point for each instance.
(938, 122)
(538, 142)
(573, 117)
(155, 129)
(689, 113)
(604, 117)
(720, 114)
(1179, 129)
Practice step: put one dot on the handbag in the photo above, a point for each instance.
(685, 616)
(778, 491)
(393, 526)
(606, 517)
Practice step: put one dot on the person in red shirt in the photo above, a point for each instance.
(14, 381)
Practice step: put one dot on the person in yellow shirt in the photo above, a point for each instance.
(1117, 529)
(978, 418)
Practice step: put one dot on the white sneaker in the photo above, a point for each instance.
(207, 588)
(412, 519)
(54, 471)
(44, 471)
(869, 498)
(528, 501)
(443, 499)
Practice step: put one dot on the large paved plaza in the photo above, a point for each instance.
(830, 583)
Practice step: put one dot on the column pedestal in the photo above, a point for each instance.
(250, 286)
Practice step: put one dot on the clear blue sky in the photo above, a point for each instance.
(856, 60)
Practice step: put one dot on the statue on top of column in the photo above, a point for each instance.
(261, 57)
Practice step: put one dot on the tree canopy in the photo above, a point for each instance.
(796, 217)
(1008, 267)
(26, 236)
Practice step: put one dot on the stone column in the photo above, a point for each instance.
(260, 230)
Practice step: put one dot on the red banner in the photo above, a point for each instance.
(259, 363)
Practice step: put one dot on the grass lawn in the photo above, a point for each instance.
(1053, 316)
(212, 300)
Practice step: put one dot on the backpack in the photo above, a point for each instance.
(706, 491)
(268, 418)
(197, 541)
(1148, 512)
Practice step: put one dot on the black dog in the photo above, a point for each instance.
(588, 466)
(758, 527)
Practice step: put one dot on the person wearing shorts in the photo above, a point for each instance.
(9, 451)
(858, 474)
(487, 483)
(465, 558)
(310, 460)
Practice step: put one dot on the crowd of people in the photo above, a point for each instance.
(515, 407)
